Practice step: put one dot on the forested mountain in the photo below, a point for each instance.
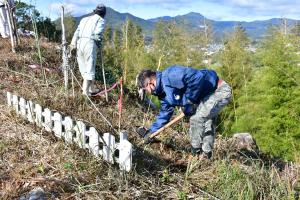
(195, 21)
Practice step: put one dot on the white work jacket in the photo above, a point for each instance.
(10, 2)
(91, 28)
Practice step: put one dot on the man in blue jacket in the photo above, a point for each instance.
(201, 93)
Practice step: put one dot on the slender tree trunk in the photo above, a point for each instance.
(245, 81)
(103, 74)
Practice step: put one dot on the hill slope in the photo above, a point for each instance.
(32, 157)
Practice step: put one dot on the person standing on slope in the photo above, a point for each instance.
(87, 38)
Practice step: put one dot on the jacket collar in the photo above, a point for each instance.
(159, 87)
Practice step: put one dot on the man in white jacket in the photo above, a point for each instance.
(87, 38)
(4, 6)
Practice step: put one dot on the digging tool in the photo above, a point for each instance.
(159, 131)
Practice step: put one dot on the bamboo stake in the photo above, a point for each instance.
(64, 51)
(120, 103)
(17, 38)
(73, 89)
(126, 51)
(103, 74)
(37, 43)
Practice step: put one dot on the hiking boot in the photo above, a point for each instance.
(92, 88)
(196, 151)
(205, 156)
(85, 87)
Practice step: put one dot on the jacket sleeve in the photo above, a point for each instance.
(97, 36)
(164, 116)
(11, 3)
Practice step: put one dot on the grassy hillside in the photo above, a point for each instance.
(31, 157)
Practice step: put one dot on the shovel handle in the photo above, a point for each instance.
(159, 131)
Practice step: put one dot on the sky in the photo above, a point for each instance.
(221, 10)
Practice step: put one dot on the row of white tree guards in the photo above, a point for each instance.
(75, 131)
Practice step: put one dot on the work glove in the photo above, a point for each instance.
(98, 43)
(196, 151)
(72, 49)
(13, 9)
(190, 109)
(145, 134)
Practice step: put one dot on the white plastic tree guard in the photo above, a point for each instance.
(86, 137)
(30, 111)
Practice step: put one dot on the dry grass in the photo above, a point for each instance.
(30, 157)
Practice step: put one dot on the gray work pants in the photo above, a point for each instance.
(202, 128)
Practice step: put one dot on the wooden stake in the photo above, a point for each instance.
(37, 43)
(64, 51)
(120, 103)
(103, 74)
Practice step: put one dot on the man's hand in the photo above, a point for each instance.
(98, 44)
(145, 134)
(190, 109)
(13, 8)
(72, 49)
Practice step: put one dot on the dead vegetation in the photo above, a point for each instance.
(31, 157)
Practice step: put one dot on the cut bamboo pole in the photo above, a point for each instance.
(64, 51)
(103, 74)
(120, 103)
(37, 42)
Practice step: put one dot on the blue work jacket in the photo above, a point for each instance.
(181, 86)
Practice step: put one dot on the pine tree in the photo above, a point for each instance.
(26, 14)
(133, 51)
(271, 110)
(111, 57)
(199, 43)
(170, 45)
(70, 27)
(236, 70)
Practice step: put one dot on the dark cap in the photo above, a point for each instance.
(100, 10)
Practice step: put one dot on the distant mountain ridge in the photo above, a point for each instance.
(193, 22)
